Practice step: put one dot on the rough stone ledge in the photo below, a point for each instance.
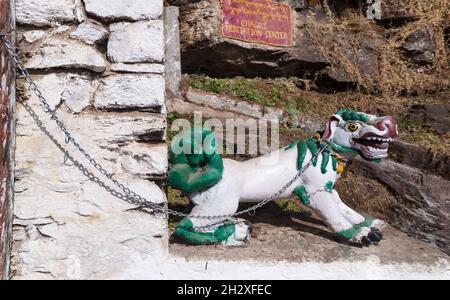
(227, 104)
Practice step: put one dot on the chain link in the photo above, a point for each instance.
(127, 195)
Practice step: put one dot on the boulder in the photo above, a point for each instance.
(204, 49)
(420, 46)
(394, 12)
(423, 199)
(422, 158)
(436, 116)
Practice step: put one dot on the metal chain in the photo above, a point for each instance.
(127, 195)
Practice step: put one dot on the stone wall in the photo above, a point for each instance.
(7, 111)
(100, 64)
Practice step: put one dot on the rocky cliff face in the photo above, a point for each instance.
(204, 49)
(335, 44)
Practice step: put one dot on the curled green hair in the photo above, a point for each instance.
(352, 115)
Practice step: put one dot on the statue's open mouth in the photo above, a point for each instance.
(373, 146)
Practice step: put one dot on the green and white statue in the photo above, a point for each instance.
(216, 186)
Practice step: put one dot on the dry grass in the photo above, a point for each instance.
(398, 74)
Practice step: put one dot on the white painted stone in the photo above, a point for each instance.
(45, 13)
(119, 10)
(66, 226)
(34, 35)
(141, 159)
(92, 247)
(57, 53)
(79, 92)
(143, 187)
(90, 33)
(51, 86)
(130, 91)
(136, 42)
(75, 90)
(138, 68)
(75, 229)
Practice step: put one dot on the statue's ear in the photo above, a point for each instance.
(330, 128)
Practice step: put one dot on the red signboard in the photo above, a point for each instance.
(257, 21)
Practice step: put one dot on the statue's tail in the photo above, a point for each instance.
(196, 165)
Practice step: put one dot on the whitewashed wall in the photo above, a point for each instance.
(100, 63)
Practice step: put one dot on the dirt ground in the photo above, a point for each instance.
(280, 235)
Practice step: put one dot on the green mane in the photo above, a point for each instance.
(201, 167)
(352, 115)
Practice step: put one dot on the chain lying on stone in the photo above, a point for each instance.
(127, 195)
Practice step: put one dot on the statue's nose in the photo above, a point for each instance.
(390, 124)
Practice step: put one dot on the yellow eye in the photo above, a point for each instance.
(353, 127)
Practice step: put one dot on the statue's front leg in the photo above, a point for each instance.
(230, 232)
(212, 203)
(356, 218)
(330, 209)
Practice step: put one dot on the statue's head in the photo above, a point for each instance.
(349, 131)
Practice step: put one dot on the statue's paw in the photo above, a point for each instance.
(241, 234)
(369, 236)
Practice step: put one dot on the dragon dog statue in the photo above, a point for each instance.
(216, 186)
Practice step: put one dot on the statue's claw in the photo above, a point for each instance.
(366, 241)
(242, 234)
(372, 238)
(376, 232)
